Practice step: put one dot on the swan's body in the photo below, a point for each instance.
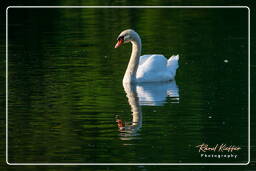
(146, 68)
(155, 68)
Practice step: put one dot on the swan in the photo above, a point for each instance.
(146, 68)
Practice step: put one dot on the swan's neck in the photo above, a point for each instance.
(130, 74)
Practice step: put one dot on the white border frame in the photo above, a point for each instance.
(128, 7)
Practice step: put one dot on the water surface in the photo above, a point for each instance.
(66, 92)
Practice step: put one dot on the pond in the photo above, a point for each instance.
(67, 103)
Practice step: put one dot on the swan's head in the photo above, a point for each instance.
(126, 36)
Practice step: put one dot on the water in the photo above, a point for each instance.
(66, 93)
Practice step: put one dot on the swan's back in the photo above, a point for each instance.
(153, 68)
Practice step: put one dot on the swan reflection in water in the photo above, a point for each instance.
(144, 94)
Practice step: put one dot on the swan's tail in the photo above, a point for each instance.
(173, 64)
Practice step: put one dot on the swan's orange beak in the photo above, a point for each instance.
(119, 43)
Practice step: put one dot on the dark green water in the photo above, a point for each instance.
(65, 85)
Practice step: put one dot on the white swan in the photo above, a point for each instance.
(146, 68)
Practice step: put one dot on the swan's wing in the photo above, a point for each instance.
(173, 64)
(143, 58)
(153, 68)
(153, 63)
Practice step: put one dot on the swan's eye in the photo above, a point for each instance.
(121, 38)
